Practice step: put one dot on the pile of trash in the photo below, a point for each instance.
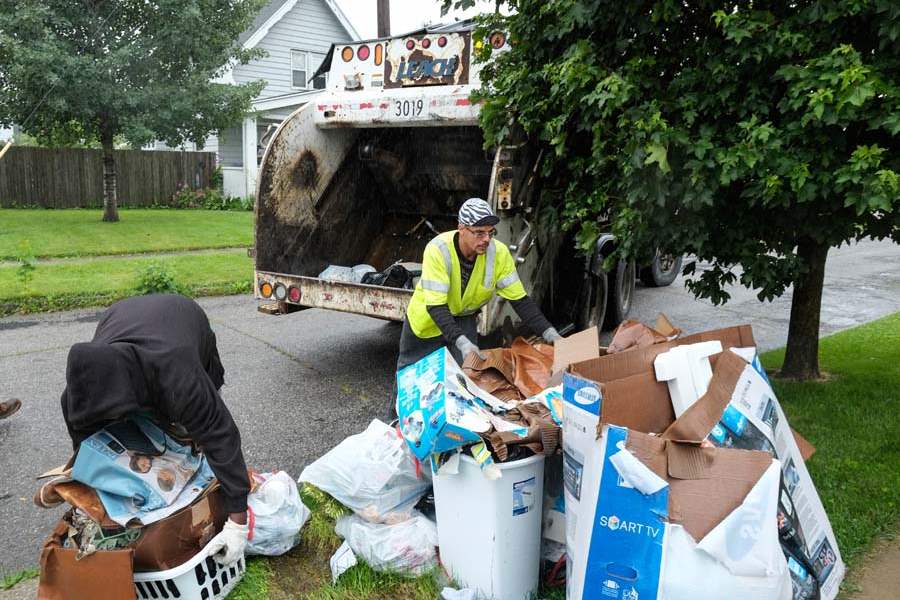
(685, 477)
(374, 474)
(144, 504)
(401, 274)
(670, 452)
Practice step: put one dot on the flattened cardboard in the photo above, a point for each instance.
(665, 327)
(578, 347)
(698, 420)
(705, 484)
(610, 367)
(638, 402)
(174, 540)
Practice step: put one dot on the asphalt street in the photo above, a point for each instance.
(298, 384)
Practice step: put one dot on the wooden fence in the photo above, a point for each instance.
(73, 177)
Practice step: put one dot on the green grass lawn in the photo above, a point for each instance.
(852, 418)
(80, 232)
(103, 280)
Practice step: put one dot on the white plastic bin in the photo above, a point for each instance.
(489, 532)
(200, 578)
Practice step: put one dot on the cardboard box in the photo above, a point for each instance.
(626, 381)
(439, 407)
(658, 518)
(752, 418)
(701, 491)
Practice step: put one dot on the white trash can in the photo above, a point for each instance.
(489, 532)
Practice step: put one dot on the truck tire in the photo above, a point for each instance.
(621, 293)
(592, 301)
(662, 271)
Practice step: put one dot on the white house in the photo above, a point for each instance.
(296, 35)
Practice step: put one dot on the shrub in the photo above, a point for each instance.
(27, 264)
(217, 178)
(156, 279)
(209, 199)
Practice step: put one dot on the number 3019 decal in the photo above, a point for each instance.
(409, 108)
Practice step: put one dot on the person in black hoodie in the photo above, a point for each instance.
(156, 356)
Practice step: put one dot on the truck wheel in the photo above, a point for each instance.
(662, 271)
(621, 292)
(592, 301)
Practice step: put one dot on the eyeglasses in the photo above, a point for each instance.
(482, 234)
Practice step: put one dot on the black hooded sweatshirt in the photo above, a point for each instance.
(157, 354)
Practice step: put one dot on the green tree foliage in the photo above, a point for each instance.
(77, 71)
(756, 135)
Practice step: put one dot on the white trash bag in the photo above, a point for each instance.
(373, 473)
(278, 514)
(407, 547)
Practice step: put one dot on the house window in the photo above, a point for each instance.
(303, 65)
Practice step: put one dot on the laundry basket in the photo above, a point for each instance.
(200, 578)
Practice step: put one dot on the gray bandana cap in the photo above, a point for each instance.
(475, 212)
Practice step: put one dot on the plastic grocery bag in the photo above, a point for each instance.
(373, 473)
(407, 547)
(278, 514)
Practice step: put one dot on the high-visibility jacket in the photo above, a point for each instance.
(495, 270)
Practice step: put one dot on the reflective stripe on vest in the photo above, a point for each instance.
(445, 250)
(489, 258)
(435, 286)
(508, 280)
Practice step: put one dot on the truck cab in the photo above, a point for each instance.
(371, 169)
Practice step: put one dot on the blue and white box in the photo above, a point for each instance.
(439, 407)
(621, 543)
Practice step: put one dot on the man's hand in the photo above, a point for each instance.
(466, 347)
(550, 335)
(228, 546)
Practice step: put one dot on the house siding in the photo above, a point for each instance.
(309, 26)
(210, 145)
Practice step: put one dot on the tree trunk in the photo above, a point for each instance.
(110, 202)
(801, 357)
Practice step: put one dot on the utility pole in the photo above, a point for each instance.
(384, 18)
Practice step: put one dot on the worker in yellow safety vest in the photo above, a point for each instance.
(461, 271)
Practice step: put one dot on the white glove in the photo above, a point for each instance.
(550, 335)
(465, 347)
(228, 545)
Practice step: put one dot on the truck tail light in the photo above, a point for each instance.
(265, 288)
(294, 294)
(426, 43)
(347, 54)
(442, 41)
(362, 53)
(280, 292)
(410, 44)
(379, 54)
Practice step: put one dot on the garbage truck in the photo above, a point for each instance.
(355, 183)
